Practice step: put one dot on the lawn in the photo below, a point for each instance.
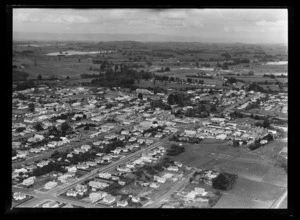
(245, 188)
(234, 202)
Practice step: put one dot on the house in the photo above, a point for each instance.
(125, 132)
(132, 139)
(135, 199)
(28, 182)
(82, 166)
(149, 141)
(91, 163)
(178, 163)
(200, 191)
(98, 184)
(191, 195)
(145, 184)
(19, 196)
(78, 150)
(109, 199)
(81, 188)
(168, 175)
(50, 185)
(105, 175)
(72, 169)
(172, 168)
(43, 163)
(159, 179)
(85, 147)
(141, 141)
(154, 185)
(63, 178)
(122, 203)
(130, 165)
(115, 178)
(72, 193)
(122, 183)
(221, 136)
(190, 132)
(95, 196)
(264, 141)
(107, 157)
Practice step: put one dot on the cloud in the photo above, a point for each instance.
(210, 23)
(65, 19)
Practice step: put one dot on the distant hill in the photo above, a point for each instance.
(24, 36)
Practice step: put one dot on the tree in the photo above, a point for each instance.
(38, 127)
(140, 96)
(251, 73)
(79, 60)
(171, 100)
(266, 123)
(20, 129)
(225, 66)
(39, 77)
(224, 181)
(235, 143)
(31, 107)
(65, 127)
(67, 77)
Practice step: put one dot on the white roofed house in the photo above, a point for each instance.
(159, 179)
(172, 168)
(91, 163)
(109, 199)
(72, 193)
(85, 147)
(132, 139)
(98, 184)
(63, 178)
(105, 175)
(154, 185)
(82, 166)
(72, 169)
(221, 136)
(43, 163)
(107, 157)
(28, 182)
(178, 163)
(122, 203)
(81, 188)
(50, 185)
(19, 196)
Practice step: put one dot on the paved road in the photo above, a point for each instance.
(280, 202)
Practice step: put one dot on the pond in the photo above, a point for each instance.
(277, 63)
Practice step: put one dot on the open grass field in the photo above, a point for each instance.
(234, 202)
(250, 194)
(259, 183)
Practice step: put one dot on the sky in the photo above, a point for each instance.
(232, 25)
